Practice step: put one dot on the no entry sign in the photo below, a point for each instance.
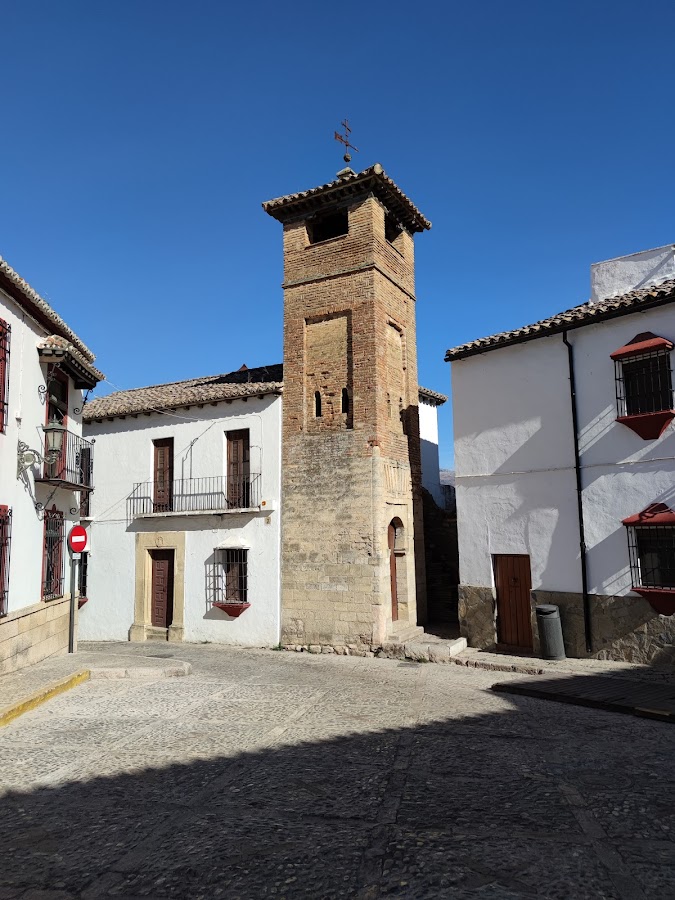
(77, 539)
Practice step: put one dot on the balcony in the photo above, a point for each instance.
(192, 496)
(74, 467)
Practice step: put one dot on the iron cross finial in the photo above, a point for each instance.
(344, 139)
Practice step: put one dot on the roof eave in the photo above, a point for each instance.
(88, 416)
(25, 296)
(84, 375)
(293, 206)
(456, 354)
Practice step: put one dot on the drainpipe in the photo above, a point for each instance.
(580, 502)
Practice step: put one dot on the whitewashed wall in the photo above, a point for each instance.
(514, 458)
(431, 478)
(614, 277)
(25, 418)
(124, 456)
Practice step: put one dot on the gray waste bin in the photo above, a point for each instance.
(550, 631)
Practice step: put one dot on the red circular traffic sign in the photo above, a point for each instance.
(77, 539)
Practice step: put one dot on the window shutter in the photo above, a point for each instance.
(4, 373)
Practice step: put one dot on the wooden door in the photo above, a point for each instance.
(161, 612)
(162, 500)
(238, 469)
(391, 536)
(513, 583)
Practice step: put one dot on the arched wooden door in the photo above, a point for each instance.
(391, 537)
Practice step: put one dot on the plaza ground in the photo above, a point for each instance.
(272, 774)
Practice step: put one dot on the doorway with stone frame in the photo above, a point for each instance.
(159, 605)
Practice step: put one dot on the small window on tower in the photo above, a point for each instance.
(317, 404)
(392, 229)
(323, 228)
(345, 400)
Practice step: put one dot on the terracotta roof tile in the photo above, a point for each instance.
(374, 178)
(54, 342)
(427, 394)
(578, 316)
(210, 389)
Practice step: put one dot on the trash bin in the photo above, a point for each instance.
(550, 631)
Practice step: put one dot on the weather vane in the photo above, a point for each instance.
(344, 139)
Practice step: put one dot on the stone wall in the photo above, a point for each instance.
(34, 633)
(349, 321)
(477, 616)
(623, 628)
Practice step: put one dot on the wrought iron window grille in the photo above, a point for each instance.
(227, 580)
(53, 572)
(643, 383)
(651, 550)
(5, 545)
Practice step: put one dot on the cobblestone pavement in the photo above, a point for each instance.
(269, 774)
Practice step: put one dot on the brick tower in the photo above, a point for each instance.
(352, 537)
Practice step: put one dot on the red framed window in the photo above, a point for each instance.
(651, 551)
(644, 384)
(53, 574)
(5, 332)
(5, 540)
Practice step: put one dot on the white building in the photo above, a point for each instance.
(572, 513)
(185, 519)
(44, 369)
(185, 527)
(428, 412)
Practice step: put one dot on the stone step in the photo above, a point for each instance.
(433, 649)
(156, 634)
(406, 633)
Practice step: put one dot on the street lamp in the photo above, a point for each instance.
(27, 458)
(54, 440)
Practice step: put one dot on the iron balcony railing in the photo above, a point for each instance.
(214, 493)
(74, 466)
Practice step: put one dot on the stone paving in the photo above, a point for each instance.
(268, 774)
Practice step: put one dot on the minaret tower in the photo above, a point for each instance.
(352, 538)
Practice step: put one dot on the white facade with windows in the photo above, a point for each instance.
(516, 473)
(185, 519)
(44, 369)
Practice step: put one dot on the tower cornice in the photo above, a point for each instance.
(349, 185)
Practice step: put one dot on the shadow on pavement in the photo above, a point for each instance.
(538, 800)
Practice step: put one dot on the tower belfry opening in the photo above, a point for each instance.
(349, 467)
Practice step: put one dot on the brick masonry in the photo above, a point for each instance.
(349, 323)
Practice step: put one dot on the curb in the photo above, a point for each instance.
(32, 701)
(626, 706)
(174, 671)
(524, 669)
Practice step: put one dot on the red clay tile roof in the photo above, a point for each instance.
(577, 317)
(210, 389)
(373, 179)
(426, 394)
(56, 346)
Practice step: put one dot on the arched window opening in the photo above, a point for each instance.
(317, 404)
(396, 549)
(345, 400)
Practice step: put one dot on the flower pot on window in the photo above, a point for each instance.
(232, 609)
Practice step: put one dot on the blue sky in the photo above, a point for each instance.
(140, 139)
